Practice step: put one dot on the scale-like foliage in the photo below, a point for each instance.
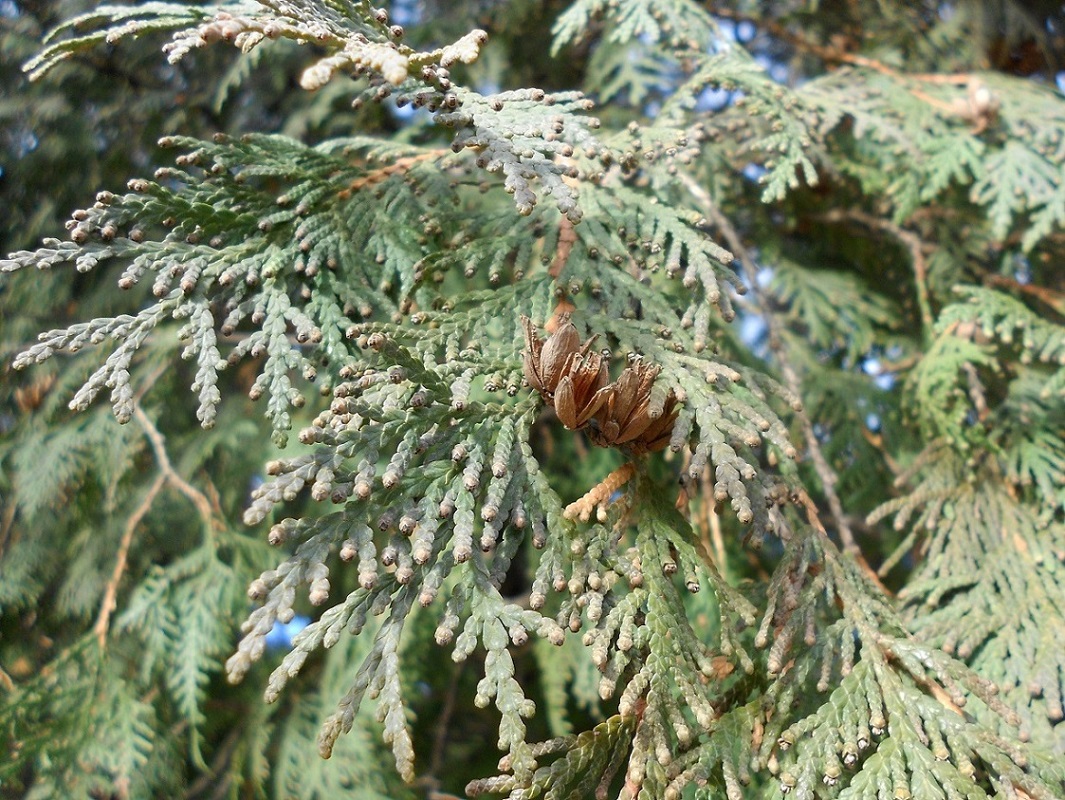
(988, 589)
(607, 446)
(837, 314)
(672, 22)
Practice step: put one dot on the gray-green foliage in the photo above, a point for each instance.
(709, 621)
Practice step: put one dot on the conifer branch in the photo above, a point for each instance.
(834, 54)
(109, 602)
(167, 476)
(791, 378)
(170, 475)
(914, 246)
(459, 365)
(7, 520)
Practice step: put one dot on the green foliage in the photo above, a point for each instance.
(667, 23)
(988, 588)
(726, 458)
(835, 311)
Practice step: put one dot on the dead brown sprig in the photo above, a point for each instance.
(575, 382)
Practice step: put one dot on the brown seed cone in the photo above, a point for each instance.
(624, 416)
(582, 391)
(659, 432)
(545, 362)
(576, 382)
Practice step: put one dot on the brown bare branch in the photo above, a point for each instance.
(107, 606)
(162, 458)
(167, 476)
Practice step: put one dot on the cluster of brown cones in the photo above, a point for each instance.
(576, 382)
